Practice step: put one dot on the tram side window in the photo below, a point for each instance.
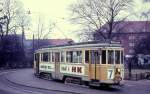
(62, 56)
(86, 56)
(57, 57)
(110, 57)
(122, 58)
(53, 57)
(103, 56)
(79, 56)
(74, 56)
(49, 57)
(117, 57)
(69, 56)
(36, 57)
(45, 57)
(95, 58)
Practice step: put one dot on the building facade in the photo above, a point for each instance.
(31, 45)
(131, 34)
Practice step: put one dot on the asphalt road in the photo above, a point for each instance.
(24, 82)
(4, 92)
(8, 87)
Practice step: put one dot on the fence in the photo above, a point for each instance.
(137, 75)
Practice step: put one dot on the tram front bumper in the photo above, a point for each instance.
(112, 82)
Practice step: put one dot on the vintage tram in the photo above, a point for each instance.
(92, 63)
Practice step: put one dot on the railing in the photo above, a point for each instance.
(137, 76)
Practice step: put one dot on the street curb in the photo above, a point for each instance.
(6, 77)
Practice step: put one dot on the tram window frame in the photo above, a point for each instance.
(110, 58)
(103, 57)
(117, 59)
(45, 57)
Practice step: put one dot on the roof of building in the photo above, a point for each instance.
(134, 26)
(46, 42)
(130, 26)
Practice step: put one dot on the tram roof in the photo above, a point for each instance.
(86, 44)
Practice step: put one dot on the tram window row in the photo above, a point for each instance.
(92, 56)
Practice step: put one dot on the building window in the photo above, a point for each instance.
(131, 37)
(131, 51)
(142, 37)
(131, 44)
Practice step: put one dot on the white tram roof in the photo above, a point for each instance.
(91, 44)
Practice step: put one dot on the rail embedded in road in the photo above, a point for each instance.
(30, 89)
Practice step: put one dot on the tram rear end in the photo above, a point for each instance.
(106, 67)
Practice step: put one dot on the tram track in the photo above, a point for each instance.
(30, 89)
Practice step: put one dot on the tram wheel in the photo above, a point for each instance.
(67, 80)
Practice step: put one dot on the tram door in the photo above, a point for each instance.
(94, 66)
(57, 64)
(37, 57)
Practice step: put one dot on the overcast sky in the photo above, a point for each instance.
(57, 11)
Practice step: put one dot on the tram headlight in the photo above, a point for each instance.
(118, 70)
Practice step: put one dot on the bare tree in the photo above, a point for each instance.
(16, 17)
(43, 31)
(94, 14)
(13, 20)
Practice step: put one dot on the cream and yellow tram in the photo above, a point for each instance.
(92, 63)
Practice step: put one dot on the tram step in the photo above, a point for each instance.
(94, 84)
